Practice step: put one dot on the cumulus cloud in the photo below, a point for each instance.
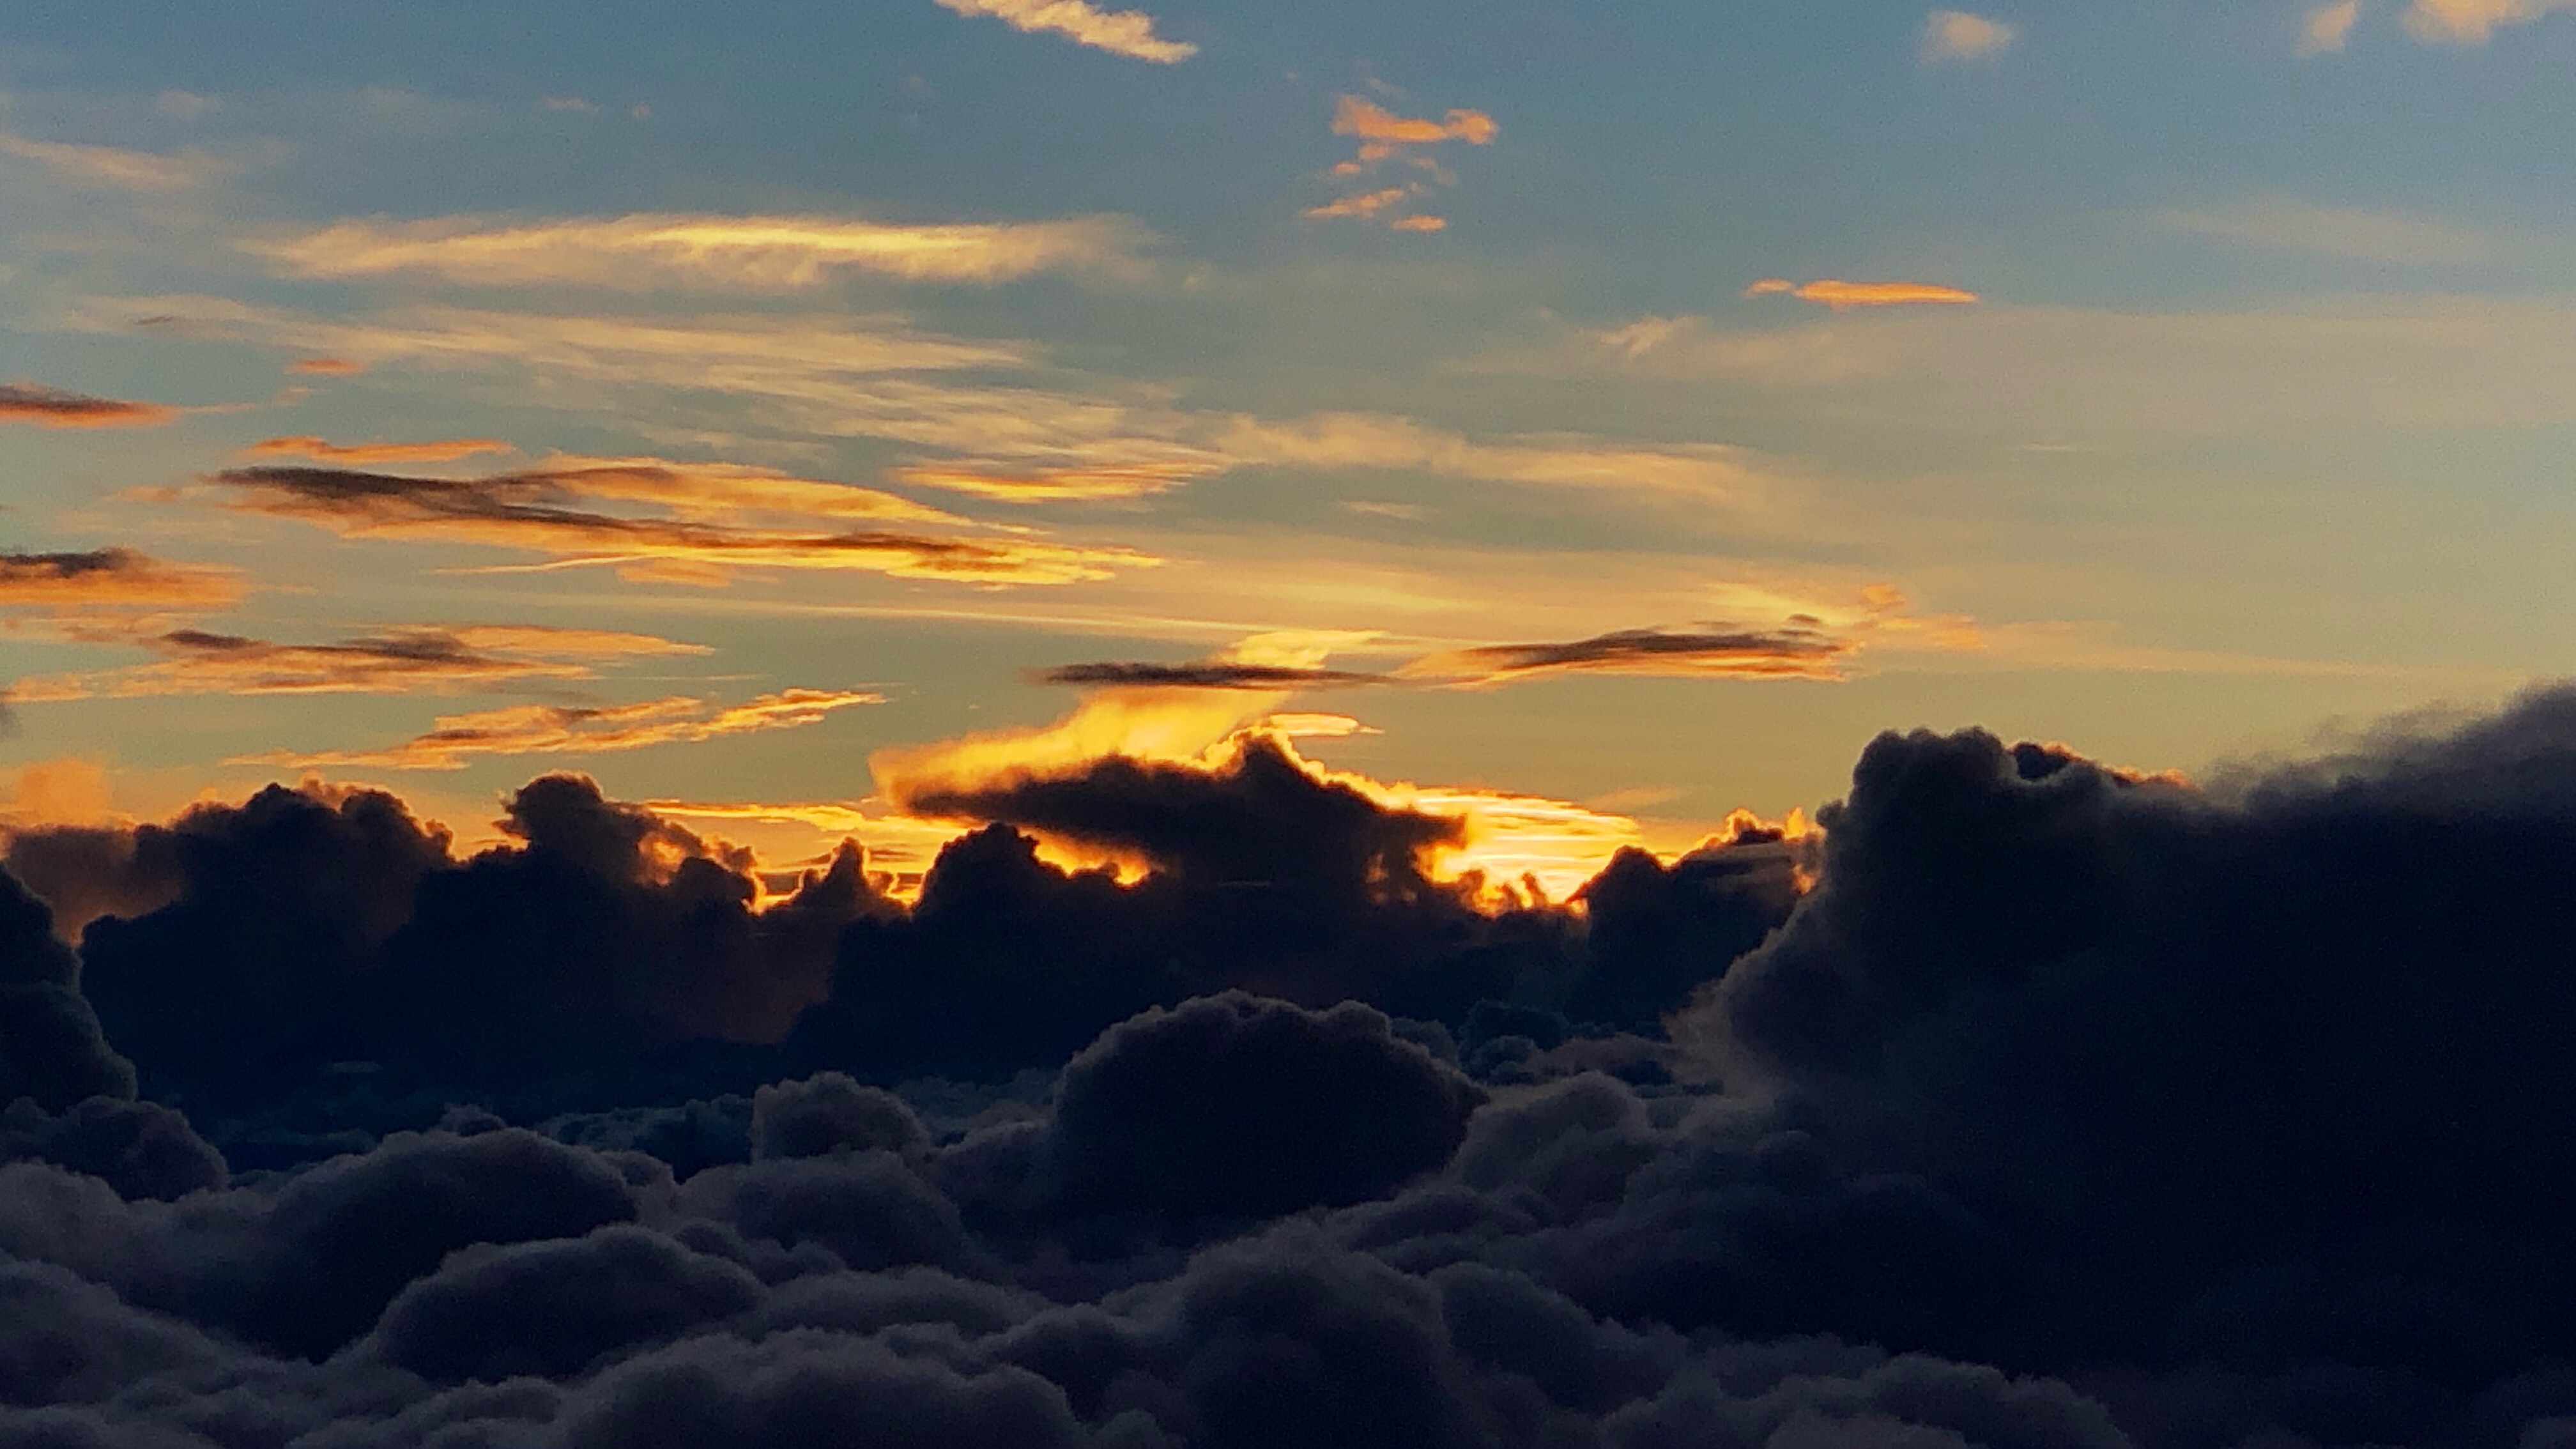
(2325, 28)
(695, 522)
(557, 729)
(394, 661)
(53, 407)
(1120, 32)
(757, 252)
(1839, 295)
(2034, 1103)
(1957, 35)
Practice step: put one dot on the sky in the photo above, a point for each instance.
(1592, 420)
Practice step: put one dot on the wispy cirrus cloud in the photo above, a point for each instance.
(682, 523)
(548, 729)
(2375, 362)
(1839, 295)
(437, 450)
(420, 659)
(53, 407)
(113, 167)
(1951, 36)
(772, 253)
(1099, 439)
(1120, 32)
(2351, 232)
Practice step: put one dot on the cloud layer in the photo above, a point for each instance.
(2036, 1104)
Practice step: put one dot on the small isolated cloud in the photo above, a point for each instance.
(1052, 485)
(52, 407)
(325, 367)
(1839, 295)
(2328, 26)
(1363, 203)
(758, 252)
(1956, 35)
(442, 450)
(112, 167)
(1120, 32)
(427, 659)
(1388, 138)
(569, 106)
(547, 729)
(678, 522)
(2471, 22)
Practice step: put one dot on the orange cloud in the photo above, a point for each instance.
(1120, 32)
(1385, 136)
(547, 729)
(759, 252)
(113, 578)
(396, 661)
(1839, 295)
(443, 450)
(52, 407)
(693, 532)
(2471, 22)
(1358, 116)
(325, 367)
(1956, 35)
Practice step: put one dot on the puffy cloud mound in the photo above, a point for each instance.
(1240, 1106)
(50, 1047)
(2069, 1110)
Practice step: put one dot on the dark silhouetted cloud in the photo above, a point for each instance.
(52, 407)
(2032, 1105)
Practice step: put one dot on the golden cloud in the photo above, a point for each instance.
(547, 729)
(111, 578)
(1120, 32)
(442, 450)
(653, 250)
(562, 511)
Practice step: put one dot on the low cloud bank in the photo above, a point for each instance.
(2067, 1109)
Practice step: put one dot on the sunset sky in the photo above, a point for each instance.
(1596, 418)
